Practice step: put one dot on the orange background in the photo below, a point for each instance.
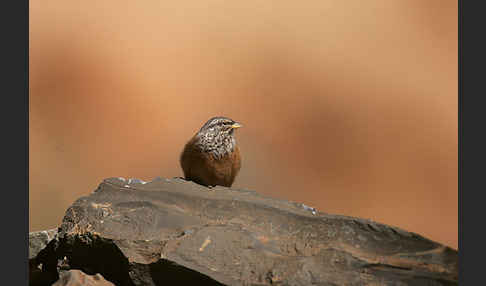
(347, 106)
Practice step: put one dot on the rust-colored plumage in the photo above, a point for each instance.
(212, 157)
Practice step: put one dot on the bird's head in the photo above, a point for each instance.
(216, 135)
(220, 125)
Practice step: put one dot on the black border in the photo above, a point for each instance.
(471, 77)
(15, 133)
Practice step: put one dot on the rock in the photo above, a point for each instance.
(174, 231)
(79, 278)
(37, 242)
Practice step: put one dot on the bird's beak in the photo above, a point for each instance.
(236, 125)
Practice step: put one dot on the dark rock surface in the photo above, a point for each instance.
(38, 240)
(79, 278)
(174, 231)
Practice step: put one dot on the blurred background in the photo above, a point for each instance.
(347, 106)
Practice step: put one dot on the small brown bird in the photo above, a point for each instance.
(212, 157)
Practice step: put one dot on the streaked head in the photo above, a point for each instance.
(220, 124)
(216, 136)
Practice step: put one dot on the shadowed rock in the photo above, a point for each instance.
(78, 278)
(139, 233)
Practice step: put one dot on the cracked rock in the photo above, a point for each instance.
(175, 232)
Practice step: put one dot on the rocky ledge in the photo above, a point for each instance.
(130, 232)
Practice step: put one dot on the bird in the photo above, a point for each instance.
(212, 157)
